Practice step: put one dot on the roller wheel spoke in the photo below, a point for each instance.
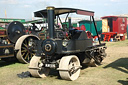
(29, 50)
(26, 56)
(24, 51)
(25, 45)
(23, 48)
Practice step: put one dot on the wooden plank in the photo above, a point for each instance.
(6, 55)
(105, 25)
(3, 35)
(6, 46)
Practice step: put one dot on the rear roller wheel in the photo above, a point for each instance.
(36, 68)
(26, 48)
(69, 67)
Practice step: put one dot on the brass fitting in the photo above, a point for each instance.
(69, 17)
(50, 8)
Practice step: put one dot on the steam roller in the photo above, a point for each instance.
(66, 50)
(24, 45)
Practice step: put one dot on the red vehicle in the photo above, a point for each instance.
(112, 25)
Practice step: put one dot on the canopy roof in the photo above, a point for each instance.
(113, 17)
(59, 11)
(38, 21)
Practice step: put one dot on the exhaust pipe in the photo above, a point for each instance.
(51, 16)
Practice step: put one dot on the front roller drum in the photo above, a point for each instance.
(36, 68)
(25, 47)
(69, 67)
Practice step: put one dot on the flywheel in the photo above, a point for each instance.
(15, 30)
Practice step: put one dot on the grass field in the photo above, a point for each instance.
(113, 71)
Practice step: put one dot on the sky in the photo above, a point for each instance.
(23, 9)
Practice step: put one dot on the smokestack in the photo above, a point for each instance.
(51, 16)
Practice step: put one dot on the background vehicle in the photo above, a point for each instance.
(67, 49)
(17, 41)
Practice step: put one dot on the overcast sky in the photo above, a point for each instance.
(24, 9)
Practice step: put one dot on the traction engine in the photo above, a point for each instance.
(15, 42)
